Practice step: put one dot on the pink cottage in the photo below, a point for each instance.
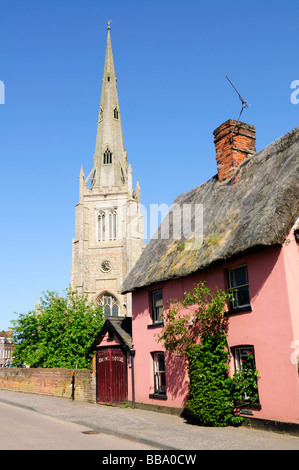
(250, 242)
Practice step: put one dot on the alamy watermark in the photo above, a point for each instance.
(2, 93)
(295, 94)
(180, 223)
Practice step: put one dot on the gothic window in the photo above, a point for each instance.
(115, 112)
(112, 224)
(110, 305)
(102, 226)
(107, 229)
(107, 157)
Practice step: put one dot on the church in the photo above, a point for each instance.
(109, 228)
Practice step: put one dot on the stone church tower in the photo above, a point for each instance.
(109, 232)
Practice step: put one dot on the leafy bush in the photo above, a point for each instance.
(58, 333)
(210, 387)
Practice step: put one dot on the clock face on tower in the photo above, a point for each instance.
(106, 266)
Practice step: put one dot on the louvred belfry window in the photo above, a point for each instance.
(107, 157)
(107, 229)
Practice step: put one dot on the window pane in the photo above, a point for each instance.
(242, 296)
(103, 227)
(158, 298)
(157, 306)
(115, 310)
(239, 277)
(107, 310)
(110, 225)
(159, 373)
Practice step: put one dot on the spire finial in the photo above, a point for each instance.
(109, 25)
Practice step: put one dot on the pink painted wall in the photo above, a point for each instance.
(145, 343)
(271, 327)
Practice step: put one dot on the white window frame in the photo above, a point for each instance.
(242, 351)
(159, 375)
(157, 310)
(235, 302)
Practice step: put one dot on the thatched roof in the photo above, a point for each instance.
(255, 208)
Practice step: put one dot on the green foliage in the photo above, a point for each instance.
(197, 326)
(58, 333)
(210, 386)
(245, 382)
(200, 312)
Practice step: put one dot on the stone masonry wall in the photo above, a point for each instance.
(55, 382)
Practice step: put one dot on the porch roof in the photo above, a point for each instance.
(121, 327)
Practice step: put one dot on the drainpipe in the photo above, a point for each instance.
(132, 354)
(73, 384)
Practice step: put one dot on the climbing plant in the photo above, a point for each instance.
(245, 382)
(196, 326)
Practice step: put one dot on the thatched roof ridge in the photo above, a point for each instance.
(255, 208)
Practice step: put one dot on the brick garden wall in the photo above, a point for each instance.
(55, 382)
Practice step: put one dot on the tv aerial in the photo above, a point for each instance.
(245, 104)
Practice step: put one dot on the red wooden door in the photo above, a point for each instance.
(111, 375)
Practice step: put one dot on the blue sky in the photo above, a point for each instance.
(171, 58)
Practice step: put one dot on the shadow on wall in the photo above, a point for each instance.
(177, 378)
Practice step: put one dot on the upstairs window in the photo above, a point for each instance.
(239, 285)
(157, 306)
(107, 157)
(115, 113)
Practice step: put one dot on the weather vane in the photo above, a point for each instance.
(109, 24)
(245, 104)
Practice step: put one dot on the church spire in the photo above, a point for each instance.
(110, 159)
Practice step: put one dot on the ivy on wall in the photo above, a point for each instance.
(197, 327)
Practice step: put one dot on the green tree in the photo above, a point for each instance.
(58, 333)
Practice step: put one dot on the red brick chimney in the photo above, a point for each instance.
(234, 142)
